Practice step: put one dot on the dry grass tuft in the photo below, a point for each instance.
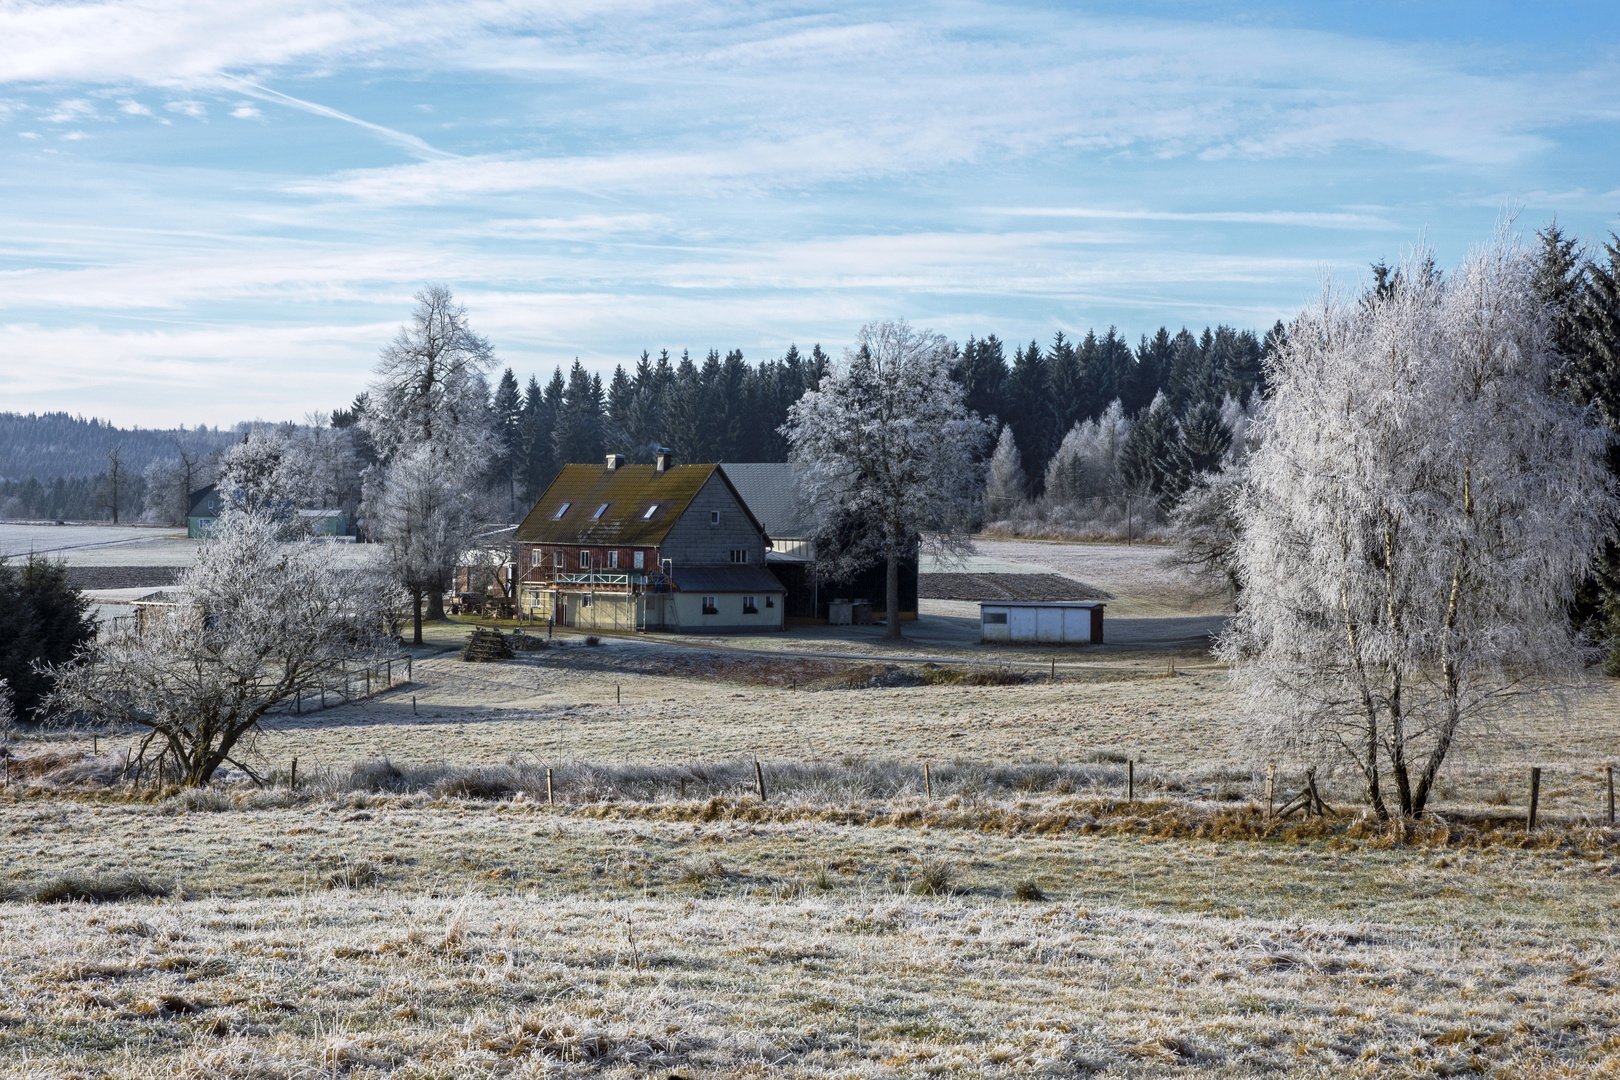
(353, 874)
(934, 675)
(1028, 891)
(935, 878)
(697, 871)
(68, 888)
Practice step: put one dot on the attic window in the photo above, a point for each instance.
(651, 510)
(561, 510)
(600, 510)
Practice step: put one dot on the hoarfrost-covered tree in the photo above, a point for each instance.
(888, 441)
(1087, 462)
(255, 621)
(8, 714)
(1004, 488)
(1415, 522)
(429, 416)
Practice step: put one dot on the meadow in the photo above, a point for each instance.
(1083, 881)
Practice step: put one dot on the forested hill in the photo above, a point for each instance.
(57, 444)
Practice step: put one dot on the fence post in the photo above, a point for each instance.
(408, 668)
(928, 781)
(390, 673)
(292, 782)
(1130, 779)
(1610, 771)
(1271, 789)
(1535, 798)
(759, 778)
(550, 798)
(368, 682)
(298, 702)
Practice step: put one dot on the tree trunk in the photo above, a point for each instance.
(891, 596)
(435, 602)
(416, 616)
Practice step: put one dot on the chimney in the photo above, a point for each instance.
(663, 461)
(614, 461)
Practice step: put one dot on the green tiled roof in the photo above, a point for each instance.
(627, 492)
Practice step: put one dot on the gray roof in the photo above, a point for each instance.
(771, 493)
(727, 579)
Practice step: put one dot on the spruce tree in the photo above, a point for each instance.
(44, 620)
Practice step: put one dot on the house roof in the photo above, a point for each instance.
(631, 506)
(771, 493)
(727, 579)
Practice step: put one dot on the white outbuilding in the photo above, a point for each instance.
(1059, 623)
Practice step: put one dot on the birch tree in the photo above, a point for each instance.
(255, 622)
(1004, 488)
(888, 441)
(1415, 522)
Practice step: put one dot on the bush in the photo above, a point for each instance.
(356, 874)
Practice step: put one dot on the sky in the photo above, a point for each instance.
(214, 212)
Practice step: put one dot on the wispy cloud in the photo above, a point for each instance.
(194, 109)
(404, 140)
(1302, 218)
(247, 112)
(133, 108)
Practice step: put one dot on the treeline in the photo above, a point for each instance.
(78, 498)
(49, 445)
(725, 409)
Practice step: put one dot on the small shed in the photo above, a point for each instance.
(1049, 623)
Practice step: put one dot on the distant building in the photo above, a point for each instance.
(1042, 623)
(205, 507)
(771, 493)
(646, 547)
(207, 504)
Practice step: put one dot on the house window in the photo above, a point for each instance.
(749, 607)
(600, 510)
(585, 600)
(561, 510)
(535, 555)
(585, 559)
(995, 618)
(714, 517)
(770, 601)
(710, 607)
(739, 555)
(613, 559)
(651, 510)
(557, 559)
(640, 560)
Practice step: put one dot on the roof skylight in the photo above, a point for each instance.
(600, 510)
(561, 510)
(651, 510)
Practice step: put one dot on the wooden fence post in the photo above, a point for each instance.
(298, 702)
(551, 799)
(408, 668)
(617, 698)
(1130, 779)
(1610, 771)
(368, 682)
(292, 781)
(1271, 789)
(1535, 798)
(759, 778)
(928, 780)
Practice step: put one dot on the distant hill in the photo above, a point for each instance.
(50, 445)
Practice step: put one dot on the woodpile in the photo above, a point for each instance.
(485, 645)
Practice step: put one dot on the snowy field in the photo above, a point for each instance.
(76, 540)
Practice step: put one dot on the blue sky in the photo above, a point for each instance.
(214, 212)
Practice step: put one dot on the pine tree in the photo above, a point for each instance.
(683, 412)
(1149, 451)
(982, 371)
(578, 434)
(43, 620)
(1029, 411)
(509, 418)
(1068, 396)
(1148, 375)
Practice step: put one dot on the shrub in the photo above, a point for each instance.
(696, 871)
(355, 874)
(593, 641)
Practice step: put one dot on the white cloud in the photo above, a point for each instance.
(27, 134)
(195, 109)
(70, 111)
(75, 136)
(247, 112)
(133, 108)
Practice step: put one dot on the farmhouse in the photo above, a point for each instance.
(646, 547)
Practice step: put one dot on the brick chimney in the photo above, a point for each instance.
(614, 461)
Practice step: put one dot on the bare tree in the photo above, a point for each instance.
(888, 442)
(424, 511)
(254, 622)
(116, 479)
(1415, 522)
(428, 414)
